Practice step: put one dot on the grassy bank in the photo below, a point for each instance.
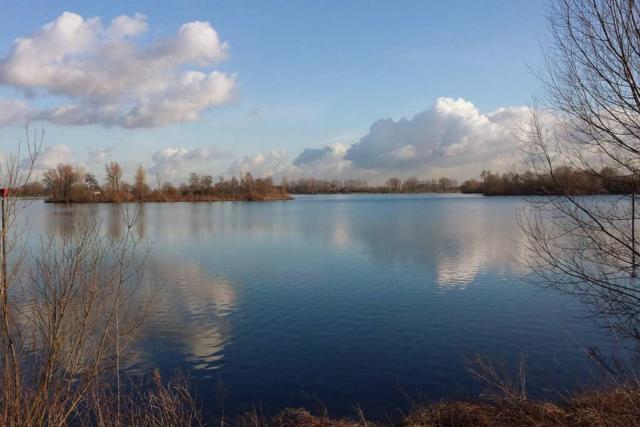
(618, 406)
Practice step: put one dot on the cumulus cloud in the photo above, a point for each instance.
(311, 155)
(106, 75)
(170, 161)
(98, 156)
(52, 156)
(12, 112)
(452, 133)
(270, 163)
(326, 162)
(453, 138)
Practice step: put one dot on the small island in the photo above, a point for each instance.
(71, 184)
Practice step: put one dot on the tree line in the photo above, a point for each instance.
(563, 180)
(392, 185)
(72, 184)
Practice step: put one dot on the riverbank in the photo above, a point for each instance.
(618, 406)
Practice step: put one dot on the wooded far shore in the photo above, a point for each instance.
(71, 184)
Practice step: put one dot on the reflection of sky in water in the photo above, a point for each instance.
(343, 298)
(476, 244)
(460, 270)
(189, 312)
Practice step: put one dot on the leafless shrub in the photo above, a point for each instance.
(71, 324)
(503, 384)
(70, 311)
(589, 121)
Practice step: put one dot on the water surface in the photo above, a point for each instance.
(345, 300)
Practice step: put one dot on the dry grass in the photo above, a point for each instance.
(617, 407)
(613, 407)
(161, 404)
(293, 418)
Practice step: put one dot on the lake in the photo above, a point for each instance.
(369, 300)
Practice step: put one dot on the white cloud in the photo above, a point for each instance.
(451, 134)
(321, 163)
(98, 156)
(171, 161)
(271, 163)
(407, 152)
(52, 156)
(128, 26)
(453, 139)
(325, 163)
(12, 112)
(312, 155)
(106, 75)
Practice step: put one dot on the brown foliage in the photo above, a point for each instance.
(197, 189)
(618, 407)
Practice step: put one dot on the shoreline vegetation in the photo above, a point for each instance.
(611, 407)
(565, 180)
(69, 184)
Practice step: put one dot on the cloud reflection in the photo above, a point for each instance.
(456, 240)
(459, 270)
(190, 314)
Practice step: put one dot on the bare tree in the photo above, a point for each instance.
(158, 178)
(589, 121)
(91, 183)
(248, 182)
(114, 174)
(61, 181)
(69, 314)
(140, 183)
(14, 173)
(394, 184)
(411, 184)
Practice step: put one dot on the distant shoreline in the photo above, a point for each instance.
(291, 196)
(182, 200)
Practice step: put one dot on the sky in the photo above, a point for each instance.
(325, 89)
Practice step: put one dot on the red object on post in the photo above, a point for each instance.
(4, 192)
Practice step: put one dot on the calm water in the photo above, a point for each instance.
(346, 300)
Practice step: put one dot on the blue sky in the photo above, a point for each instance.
(308, 75)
